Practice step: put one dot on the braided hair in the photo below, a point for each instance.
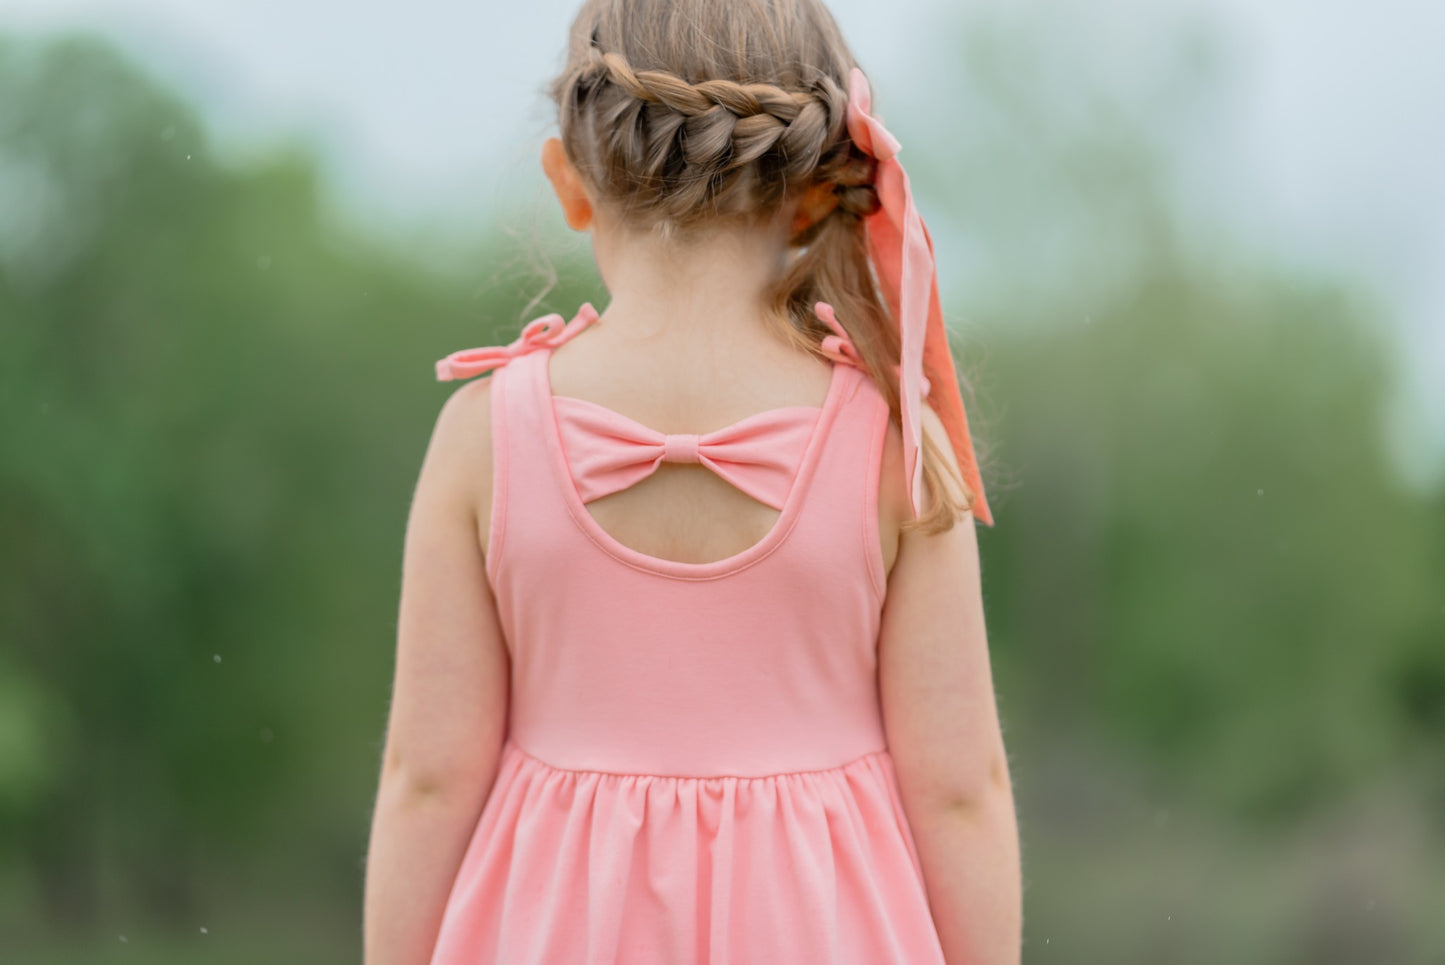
(686, 153)
(685, 114)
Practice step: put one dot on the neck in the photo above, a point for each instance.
(713, 285)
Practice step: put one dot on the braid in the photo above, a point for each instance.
(688, 150)
(729, 124)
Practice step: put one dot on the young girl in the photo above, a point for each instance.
(692, 664)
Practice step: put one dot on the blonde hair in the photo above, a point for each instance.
(689, 113)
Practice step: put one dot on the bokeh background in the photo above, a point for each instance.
(1191, 256)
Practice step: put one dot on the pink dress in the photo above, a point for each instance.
(695, 768)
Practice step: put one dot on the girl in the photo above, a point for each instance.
(692, 664)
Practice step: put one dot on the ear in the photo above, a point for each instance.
(576, 205)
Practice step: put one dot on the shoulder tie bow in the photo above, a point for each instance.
(902, 255)
(549, 331)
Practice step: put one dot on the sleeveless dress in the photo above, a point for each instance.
(695, 768)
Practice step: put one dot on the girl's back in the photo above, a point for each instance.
(675, 671)
(695, 767)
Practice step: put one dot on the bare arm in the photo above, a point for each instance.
(944, 735)
(449, 699)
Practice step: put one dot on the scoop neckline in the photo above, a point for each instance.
(679, 569)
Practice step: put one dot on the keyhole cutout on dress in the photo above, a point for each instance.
(684, 513)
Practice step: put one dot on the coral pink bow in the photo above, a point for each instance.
(608, 452)
(902, 254)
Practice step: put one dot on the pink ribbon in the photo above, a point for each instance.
(902, 254)
(547, 331)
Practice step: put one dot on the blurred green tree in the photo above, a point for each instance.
(215, 398)
(1208, 555)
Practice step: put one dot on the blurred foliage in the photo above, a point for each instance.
(1239, 584)
(1214, 607)
(215, 402)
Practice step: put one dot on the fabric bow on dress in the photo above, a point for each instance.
(607, 451)
(549, 331)
(902, 255)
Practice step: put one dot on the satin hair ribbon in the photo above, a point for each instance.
(902, 254)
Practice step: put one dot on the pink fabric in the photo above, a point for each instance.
(608, 451)
(902, 254)
(695, 767)
(549, 331)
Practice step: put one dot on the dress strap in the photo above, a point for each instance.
(549, 331)
(840, 347)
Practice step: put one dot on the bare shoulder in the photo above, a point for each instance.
(469, 407)
(935, 681)
(458, 466)
(893, 502)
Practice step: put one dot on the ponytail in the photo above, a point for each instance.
(834, 267)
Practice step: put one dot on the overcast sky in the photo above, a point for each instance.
(1336, 135)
